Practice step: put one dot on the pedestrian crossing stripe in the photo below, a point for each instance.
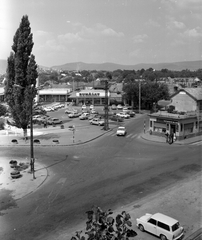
(131, 135)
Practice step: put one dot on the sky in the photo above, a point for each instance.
(126, 32)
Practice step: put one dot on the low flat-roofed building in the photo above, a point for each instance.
(54, 94)
(185, 120)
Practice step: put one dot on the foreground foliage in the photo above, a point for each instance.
(101, 225)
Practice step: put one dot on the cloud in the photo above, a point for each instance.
(42, 33)
(194, 33)
(152, 23)
(188, 4)
(103, 30)
(140, 38)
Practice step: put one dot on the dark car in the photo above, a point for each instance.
(116, 118)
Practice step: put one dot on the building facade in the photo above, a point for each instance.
(185, 120)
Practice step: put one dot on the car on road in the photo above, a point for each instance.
(53, 121)
(123, 115)
(161, 225)
(131, 113)
(121, 131)
(97, 121)
(116, 118)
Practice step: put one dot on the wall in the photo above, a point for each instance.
(183, 102)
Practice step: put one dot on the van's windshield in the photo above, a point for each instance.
(175, 226)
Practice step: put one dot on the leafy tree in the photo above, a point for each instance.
(102, 226)
(3, 110)
(20, 88)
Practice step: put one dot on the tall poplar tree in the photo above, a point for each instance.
(20, 88)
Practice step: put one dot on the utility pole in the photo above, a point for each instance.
(32, 160)
(139, 95)
(106, 126)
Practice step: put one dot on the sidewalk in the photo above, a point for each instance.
(160, 139)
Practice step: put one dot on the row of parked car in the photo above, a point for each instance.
(53, 107)
(45, 119)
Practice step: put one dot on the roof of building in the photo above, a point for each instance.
(54, 91)
(195, 93)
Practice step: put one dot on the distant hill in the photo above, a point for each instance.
(176, 66)
(79, 66)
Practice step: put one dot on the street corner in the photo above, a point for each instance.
(17, 181)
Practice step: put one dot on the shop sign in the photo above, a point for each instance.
(89, 94)
(167, 121)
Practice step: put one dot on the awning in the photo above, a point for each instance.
(164, 103)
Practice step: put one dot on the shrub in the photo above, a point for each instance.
(3, 110)
(1, 123)
(102, 226)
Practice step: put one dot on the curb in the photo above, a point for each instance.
(195, 235)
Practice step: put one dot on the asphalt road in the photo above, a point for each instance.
(109, 172)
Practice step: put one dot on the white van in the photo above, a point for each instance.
(165, 227)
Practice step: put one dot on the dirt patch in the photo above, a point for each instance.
(6, 201)
(49, 136)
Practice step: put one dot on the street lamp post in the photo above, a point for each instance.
(140, 94)
(32, 160)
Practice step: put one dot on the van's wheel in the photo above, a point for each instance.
(141, 228)
(163, 237)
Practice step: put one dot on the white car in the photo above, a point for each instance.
(123, 115)
(91, 107)
(121, 131)
(83, 107)
(165, 227)
(119, 107)
(97, 121)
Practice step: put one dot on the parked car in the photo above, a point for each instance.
(97, 121)
(121, 131)
(125, 109)
(119, 107)
(91, 107)
(68, 111)
(116, 118)
(53, 121)
(123, 115)
(113, 107)
(74, 115)
(93, 111)
(83, 116)
(130, 112)
(43, 118)
(91, 116)
(165, 227)
(83, 107)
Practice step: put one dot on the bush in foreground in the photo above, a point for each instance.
(102, 226)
